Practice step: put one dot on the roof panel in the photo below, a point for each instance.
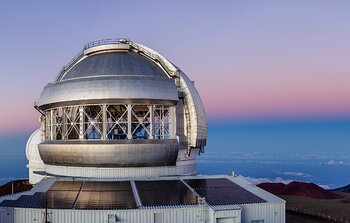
(106, 195)
(60, 199)
(222, 191)
(66, 185)
(107, 186)
(37, 200)
(165, 192)
(106, 200)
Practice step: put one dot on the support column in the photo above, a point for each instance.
(43, 127)
(104, 122)
(151, 122)
(64, 124)
(172, 122)
(81, 122)
(51, 125)
(47, 125)
(129, 121)
(163, 122)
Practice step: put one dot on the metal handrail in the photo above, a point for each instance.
(170, 68)
(104, 42)
(81, 53)
(70, 63)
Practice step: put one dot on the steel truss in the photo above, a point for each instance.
(109, 122)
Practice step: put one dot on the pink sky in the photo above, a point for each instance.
(248, 59)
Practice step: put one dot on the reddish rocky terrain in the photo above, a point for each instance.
(298, 189)
(15, 187)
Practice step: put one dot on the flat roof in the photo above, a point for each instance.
(69, 193)
(222, 191)
(165, 192)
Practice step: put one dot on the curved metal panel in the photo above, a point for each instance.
(31, 147)
(194, 109)
(105, 47)
(126, 63)
(182, 168)
(128, 153)
(166, 64)
(114, 87)
(195, 114)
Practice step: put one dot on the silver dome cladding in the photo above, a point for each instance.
(109, 89)
(123, 63)
(119, 76)
(122, 153)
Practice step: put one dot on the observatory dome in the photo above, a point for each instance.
(32, 152)
(120, 109)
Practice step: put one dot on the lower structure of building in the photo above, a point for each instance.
(206, 199)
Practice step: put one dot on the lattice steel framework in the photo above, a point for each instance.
(109, 122)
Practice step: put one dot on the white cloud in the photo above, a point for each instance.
(267, 180)
(334, 162)
(326, 187)
(290, 173)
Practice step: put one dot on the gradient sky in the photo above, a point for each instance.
(251, 60)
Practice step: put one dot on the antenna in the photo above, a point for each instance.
(46, 214)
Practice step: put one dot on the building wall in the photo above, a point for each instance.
(269, 212)
(273, 212)
(6, 215)
(171, 215)
(232, 216)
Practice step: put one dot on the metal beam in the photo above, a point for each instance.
(51, 125)
(64, 124)
(81, 122)
(136, 194)
(151, 121)
(172, 122)
(104, 122)
(129, 107)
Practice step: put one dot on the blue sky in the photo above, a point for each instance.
(282, 63)
(273, 75)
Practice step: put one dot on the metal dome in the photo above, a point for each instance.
(119, 106)
(32, 151)
(35, 164)
(119, 63)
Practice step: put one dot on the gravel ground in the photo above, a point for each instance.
(292, 217)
